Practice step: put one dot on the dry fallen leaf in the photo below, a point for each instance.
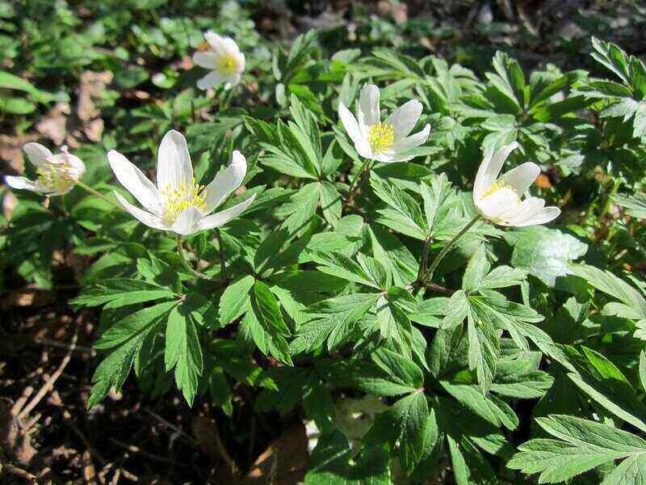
(283, 462)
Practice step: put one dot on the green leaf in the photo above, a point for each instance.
(635, 204)
(333, 320)
(492, 410)
(413, 415)
(403, 214)
(234, 299)
(399, 368)
(333, 462)
(546, 253)
(580, 445)
(267, 311)
(183, 352)
(132, 325)
(337, 264)
(119, 292)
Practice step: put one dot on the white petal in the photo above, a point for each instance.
(210, 80)
(230, 47)
(214, 40)
(368, 113)
(78, 167)
(37, 153)
(232, 80)
(523, 211)
(221, 218)
(173, 161)
(490, 168)
(404, 118)
(352, 129)
(22, 183)
(150, 220)
(500, 203)
(135, 182)
(186, 222)
(205, 59)
(413, 141)
(242, 62)
(521, 177)
(226, 181)
(548, 214)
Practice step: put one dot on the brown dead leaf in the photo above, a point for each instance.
(283, 462)
(91, 88)
(54, 123)
(11, 151)
(15, 444)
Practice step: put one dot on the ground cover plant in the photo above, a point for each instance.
(345, 255)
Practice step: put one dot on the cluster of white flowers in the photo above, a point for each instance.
(178, 204)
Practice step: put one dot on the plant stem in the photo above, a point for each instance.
(445, 250)
(422, 267)
(354, 185)
(182, 258)
(223, 264)
(98, 194)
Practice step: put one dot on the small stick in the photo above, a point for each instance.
(49, 384)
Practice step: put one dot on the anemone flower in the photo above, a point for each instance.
(388, 141)
(500, 199)
(224, 59)
(57, 174)
(177, 203)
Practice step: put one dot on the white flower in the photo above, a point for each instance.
(177, 203)
(223, 58)
(387, 141)
(57, 174)
(499, 199)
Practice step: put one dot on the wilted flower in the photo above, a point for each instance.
(223, 58)
(499, 199)
(57, 174)
(387, 141)
(177, 203)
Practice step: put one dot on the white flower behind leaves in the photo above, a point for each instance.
(57, 174)
(177, 203)
(386, 141)
(499, 199)
(224, 59)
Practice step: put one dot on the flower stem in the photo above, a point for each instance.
(98, 194)
(223, 263)
(422, 267)
(182, 258)
(354, 185)
(446, 249)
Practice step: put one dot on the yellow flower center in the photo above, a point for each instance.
(226, 64)
(185, 196)
(493, 188)
(381, 137)
(56, 177)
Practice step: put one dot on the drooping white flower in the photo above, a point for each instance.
(499, 199)
(224, 59)
(177, 203)
(387, 141)
(57, 174)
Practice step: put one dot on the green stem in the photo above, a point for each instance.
(422, 267)
(182, 258)
(354, 185)
(445, 250)
(98, 194)
(223, 264)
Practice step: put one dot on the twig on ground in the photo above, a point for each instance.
(49, 384)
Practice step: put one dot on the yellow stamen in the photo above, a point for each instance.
(55, 177)
(185, 196)
(226, 64)
(381, 137)
(492, 189)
